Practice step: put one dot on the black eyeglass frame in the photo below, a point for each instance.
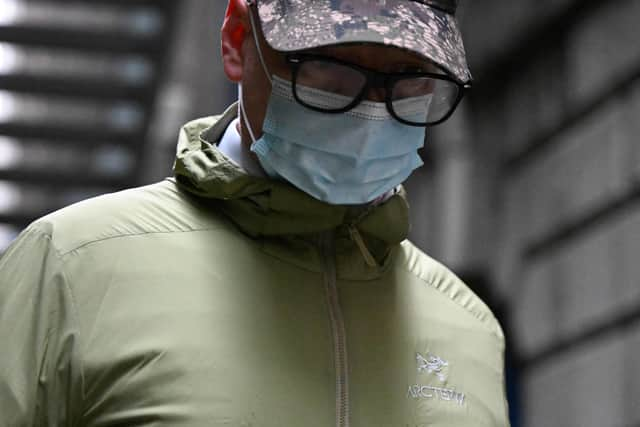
(374, 79)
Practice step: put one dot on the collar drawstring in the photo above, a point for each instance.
(359, 241)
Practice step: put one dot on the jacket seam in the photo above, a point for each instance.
(288, 262)
(142, 233)
(430, 283)
(490, 325)
(76, 316)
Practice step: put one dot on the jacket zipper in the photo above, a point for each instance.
(338, 330)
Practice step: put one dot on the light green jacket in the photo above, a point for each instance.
(220, 299)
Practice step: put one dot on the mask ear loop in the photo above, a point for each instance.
(254, 31)
(264, 68)
(243, 113)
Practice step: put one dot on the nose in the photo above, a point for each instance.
(377, 94)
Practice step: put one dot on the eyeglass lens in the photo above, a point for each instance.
(335, 79)
(423, 99)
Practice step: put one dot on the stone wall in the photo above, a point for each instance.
(554, 122)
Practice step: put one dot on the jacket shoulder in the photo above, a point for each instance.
(156, 208)
(437, 277)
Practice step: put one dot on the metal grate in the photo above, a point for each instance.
(77, 86)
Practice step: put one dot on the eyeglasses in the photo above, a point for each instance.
(333, 86)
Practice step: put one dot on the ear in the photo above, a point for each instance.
(235, 28)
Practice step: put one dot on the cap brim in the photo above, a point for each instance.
(293, 25)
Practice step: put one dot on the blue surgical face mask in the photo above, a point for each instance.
(348, 158)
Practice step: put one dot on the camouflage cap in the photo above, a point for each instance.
(427, 27)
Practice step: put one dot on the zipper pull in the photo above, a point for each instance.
(359, 241)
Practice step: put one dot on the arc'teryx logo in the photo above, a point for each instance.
(433, 365)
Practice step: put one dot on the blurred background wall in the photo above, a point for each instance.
(530, 192)
(552, 127)
(92, 94)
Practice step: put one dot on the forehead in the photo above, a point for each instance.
(376, 56)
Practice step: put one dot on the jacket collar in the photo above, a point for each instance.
(266, 208)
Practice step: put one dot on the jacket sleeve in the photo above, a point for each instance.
(39, 374)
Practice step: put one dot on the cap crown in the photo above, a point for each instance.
(425, 27)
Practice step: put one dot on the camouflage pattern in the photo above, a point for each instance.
(448, 6)
(292, 25)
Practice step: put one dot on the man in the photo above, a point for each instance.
(269, 283)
